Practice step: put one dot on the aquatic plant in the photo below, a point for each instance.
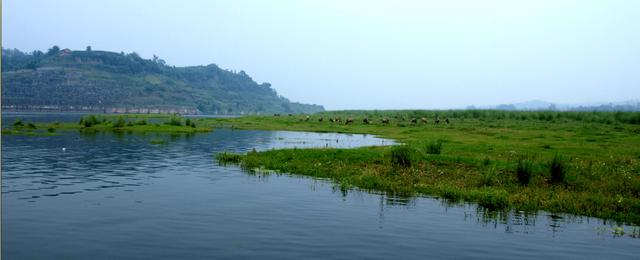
(401, 156)
(228, 158)
(524, 170)
(557, 169)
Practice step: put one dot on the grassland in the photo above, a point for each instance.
(134, 123)
(583, 163)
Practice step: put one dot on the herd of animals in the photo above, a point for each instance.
(368, 121)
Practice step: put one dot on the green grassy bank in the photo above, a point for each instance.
(584, 163)
(110, 123)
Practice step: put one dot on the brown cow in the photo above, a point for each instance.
(349, 121)
(320, 119)
(423, 120)
(385, 121)
(414, 120)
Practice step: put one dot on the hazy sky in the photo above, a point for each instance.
(366, 54)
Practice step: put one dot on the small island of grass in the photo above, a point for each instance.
(133, 123)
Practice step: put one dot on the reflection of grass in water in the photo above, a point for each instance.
(158, 141)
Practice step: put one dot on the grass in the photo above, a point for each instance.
(110, 123)
(582, 163)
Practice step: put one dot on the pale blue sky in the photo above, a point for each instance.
(367, 54)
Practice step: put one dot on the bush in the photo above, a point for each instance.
(557, 168)
(31, 126)
(89, 121)
(18, 123)
(141, 122)
(434, 147)
(129, 123)
(524, 170)
(174, 121)
(401, 156)
(187, 122)
(51, 130)
(119, 123)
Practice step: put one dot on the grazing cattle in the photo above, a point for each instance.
(338, 120)
(423, 120)
(414, 120)
(385, 121)
(330, 119)
(366, 121)
(320, 119)
(349, 121)
(307, 118)
(276, 114)
(437, 120)
(446, 120)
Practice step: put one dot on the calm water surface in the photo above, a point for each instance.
(120, 197)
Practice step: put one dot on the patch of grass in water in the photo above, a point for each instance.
(158, 141)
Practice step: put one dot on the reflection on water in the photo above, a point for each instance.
(123, 196)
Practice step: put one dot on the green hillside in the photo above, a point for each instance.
(118, 82)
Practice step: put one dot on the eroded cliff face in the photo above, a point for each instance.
(108, 82)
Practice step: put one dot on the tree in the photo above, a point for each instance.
(54, 50)
(32, 65)
(89, 48)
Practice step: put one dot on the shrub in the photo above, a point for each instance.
(51, 130)
(524, 170)
(187, 122)
(557, 168)
(174, 121)
(18, 123)
(401, 156)
(129, 123)
(31, 126)
(119, 123)
(141, 122)
(89, 121)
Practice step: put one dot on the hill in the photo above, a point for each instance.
(117, 82)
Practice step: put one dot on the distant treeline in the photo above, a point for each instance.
(61, 77)
(589, 117)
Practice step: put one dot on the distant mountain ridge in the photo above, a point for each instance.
(629, 105)
(111, 82)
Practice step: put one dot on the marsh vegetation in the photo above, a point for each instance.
(585, 163)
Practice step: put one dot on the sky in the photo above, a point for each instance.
(366, 54)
